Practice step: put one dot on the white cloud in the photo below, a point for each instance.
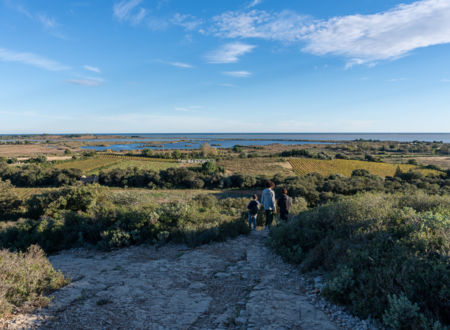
(31, 59)
(192, 108)
(229, 53)
(282, 26)
(46, 21)
(238, 74)
(181, 65)
(92, 68)
(136, 19)
(254, 3)
(50, 24)
(123, 10)
(386, 35)
(359, 38)
(188, 22)
(90, 82)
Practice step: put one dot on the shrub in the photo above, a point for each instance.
(402, 313)
(26, 279)
(89, 216)
(375, 248)
(209, 168)
(9, 201)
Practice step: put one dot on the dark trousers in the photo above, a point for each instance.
(269, 218)
(284, 216)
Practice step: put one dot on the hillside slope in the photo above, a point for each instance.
(236, 284)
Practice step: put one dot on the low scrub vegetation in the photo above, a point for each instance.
(26, 279)
(386, 255)
(92, 216)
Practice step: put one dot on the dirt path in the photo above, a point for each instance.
(236, 284)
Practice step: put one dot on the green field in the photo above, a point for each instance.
(303, 166)
(96, 164)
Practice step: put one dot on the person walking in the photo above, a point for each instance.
(268, 202)
(284, 204)
(253, 208)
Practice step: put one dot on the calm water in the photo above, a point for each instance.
(196, 144)
(401, 137)
(228, 140)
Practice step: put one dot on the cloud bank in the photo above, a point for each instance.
(359, 38)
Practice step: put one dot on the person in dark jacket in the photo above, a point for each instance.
(253, 208)
(284, 204)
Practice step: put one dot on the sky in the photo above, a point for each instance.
(152, 66)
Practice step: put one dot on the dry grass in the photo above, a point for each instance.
(29, 150)
(303, 166)
(257, 166)
(442, 162)
(26, 279)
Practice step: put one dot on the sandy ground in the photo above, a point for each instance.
(238, 284)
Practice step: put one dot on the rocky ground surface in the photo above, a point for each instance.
(237, 284)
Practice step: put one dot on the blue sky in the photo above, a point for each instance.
(224, 66)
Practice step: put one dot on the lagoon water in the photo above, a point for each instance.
(228, 140)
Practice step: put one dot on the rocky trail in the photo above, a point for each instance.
(236, 284)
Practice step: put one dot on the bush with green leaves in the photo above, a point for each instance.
(38, 175)
(376, 248)
(9, 201)
(92, 216)
(26, 279)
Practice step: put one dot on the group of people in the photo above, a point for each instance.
(270, 205)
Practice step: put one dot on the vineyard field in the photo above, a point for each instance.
(99, 163)
(303, 166)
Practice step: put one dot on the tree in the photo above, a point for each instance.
(147, 152)
(176, 154)
(398, 172)
(205, 149)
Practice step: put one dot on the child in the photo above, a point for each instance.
(253, 208)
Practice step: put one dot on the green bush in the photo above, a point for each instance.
(91, 216)
(26, 279)
(9, 201)
(376, 248)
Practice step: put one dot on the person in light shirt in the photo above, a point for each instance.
(269, 203)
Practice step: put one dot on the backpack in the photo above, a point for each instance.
(253, 207)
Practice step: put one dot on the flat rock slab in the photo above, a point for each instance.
(237, 284)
